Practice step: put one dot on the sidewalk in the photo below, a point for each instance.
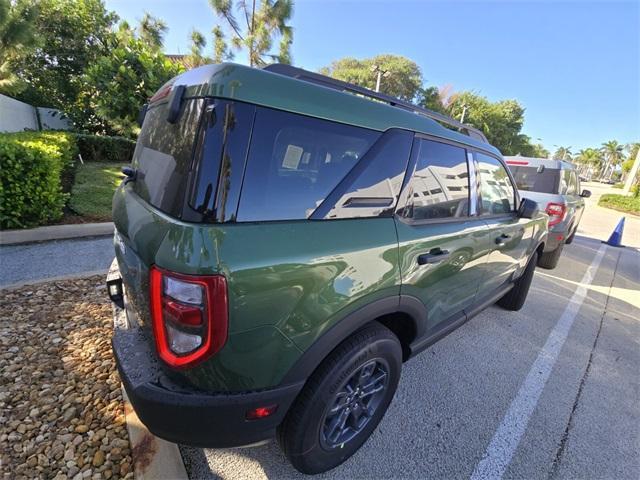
(598, 222)
(55, 232)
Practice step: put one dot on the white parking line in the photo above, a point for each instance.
(507, 437)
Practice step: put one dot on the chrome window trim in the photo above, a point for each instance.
(473, 185)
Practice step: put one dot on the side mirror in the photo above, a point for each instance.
(585, 193)
(528, 208)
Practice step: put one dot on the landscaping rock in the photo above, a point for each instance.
(61, 411)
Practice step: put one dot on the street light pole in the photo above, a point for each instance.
(381, 73)
(464, 112)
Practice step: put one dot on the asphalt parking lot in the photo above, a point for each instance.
(552, 391)
(40, 261)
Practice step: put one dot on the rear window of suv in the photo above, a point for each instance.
(531, 180)
(294, 162)
(163, 155)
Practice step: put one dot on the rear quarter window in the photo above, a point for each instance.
(163, 156)
(294, 162)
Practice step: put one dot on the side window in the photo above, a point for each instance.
(439, 187)
(372, 188)
(496, 190)
(573, 183)
(565, 182)
(294, 162)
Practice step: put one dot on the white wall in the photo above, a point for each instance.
(16, 116)
(52, 119)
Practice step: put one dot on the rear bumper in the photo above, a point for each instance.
(185, 415)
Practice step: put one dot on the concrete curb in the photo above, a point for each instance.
(71, 276)
(153, 458)
(55, 232)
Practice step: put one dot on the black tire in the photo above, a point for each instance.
(303, 433)
(549, 260)
(515, 298)
(570, 238)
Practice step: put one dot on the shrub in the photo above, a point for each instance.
(36, 172)
(95, 148)
(622, 203)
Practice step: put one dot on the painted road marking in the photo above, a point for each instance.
(507, 437)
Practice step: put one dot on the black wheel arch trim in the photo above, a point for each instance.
(351, 323)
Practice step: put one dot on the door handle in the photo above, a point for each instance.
(502, 238)
(435, 255)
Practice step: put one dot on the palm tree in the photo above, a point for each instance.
(262, 24)
(563, 153)
(590, 160)
(196, 57)
(152, 30)
(612, 151)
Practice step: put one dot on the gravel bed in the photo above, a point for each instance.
(61, 410)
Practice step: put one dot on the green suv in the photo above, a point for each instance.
(285, 241)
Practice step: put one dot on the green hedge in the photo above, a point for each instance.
(94, 148)
(622, 203)
(35, 170)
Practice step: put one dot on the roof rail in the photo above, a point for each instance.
(335, 84)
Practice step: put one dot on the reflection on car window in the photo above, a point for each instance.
(163, 156)
(375, 188)
(496, 189)
(570, 183)
(218, 174)
(439, 187)
(295, 162)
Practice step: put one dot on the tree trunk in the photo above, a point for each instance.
(632, 175)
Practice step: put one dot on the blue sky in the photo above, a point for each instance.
(574, 65)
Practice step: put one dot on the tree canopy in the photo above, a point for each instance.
(17, 37)
(400, 77)
(122, 80)
(71, 35)
(500, 121)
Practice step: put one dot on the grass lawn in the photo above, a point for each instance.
(623, 203)
(93, 190)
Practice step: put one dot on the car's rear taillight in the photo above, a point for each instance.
(556, 212)
(189, 315)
